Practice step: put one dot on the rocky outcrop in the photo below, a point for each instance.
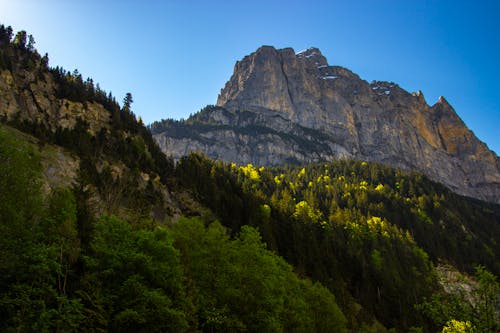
(285, 107)
(28, 95)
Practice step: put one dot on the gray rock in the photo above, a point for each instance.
(280, 107)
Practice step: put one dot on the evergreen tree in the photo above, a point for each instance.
(31, 43)
(20, 39)
(127, 102)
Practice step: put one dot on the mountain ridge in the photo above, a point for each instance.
(101, 227)
(285, 92)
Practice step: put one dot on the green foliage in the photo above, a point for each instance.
(136, 278)
(464, 310)
(377, 259)
(305, 213)
(38, 246)
(128, 140)
(61, 233)
(487, 298)
(455, 326)
(177, 128)
(367, 231)
(238, 285)
(127, 102)
(250, 172)
(19, 52)
(5, 34)
(20, 181)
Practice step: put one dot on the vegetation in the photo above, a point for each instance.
(331, 247)
(368, 232)
(136, 278)
(473, 305)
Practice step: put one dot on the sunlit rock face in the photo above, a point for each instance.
(26, 96)
(282, 107)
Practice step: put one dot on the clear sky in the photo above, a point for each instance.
(175, 56)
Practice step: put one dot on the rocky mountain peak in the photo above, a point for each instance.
(444, 102)
(312, 56)
(281, 107)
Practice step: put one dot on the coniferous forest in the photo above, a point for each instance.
(137, 242)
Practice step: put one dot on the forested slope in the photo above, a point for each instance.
(86, 214)
(364, 230)
(102, 232)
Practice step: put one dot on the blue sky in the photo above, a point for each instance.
(175, 56)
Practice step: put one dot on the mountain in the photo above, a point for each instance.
(102, 232)
(282, 107)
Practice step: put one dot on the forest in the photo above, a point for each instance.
(347, 246)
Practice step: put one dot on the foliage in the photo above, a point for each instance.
(238, 285)
(172, 125)
(134, 279)
(464, 310)
(131, 277)
(364, 230)
(20, 180)
(455, 326)
(38, 246)
(127, 140)
(21, 47)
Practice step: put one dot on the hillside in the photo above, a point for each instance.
(103, 232)
(98, 236)
(282, 107)
(365, 227)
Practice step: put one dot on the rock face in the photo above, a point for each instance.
(28, 96)
(285, 107)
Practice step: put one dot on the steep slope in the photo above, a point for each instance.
(86, 140)
(87, 208)
(368, 227)
(93, 240)
(284, 107)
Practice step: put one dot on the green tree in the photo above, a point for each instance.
(29, 265)
(20, 39)
(127, 102)
(60, 230)
(31, 43)
(455, 326)
(487, 301)
(239, 285)
(134, 279)
(475, 310)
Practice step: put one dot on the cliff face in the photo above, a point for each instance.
(285, 107)
(31, 95)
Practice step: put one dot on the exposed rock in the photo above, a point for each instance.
(280, 107)
(456, 283)
(41, 106)
(60, 168)
(26, 96)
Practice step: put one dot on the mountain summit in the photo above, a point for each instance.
(283, 107)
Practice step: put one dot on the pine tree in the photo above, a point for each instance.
(127, 102)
